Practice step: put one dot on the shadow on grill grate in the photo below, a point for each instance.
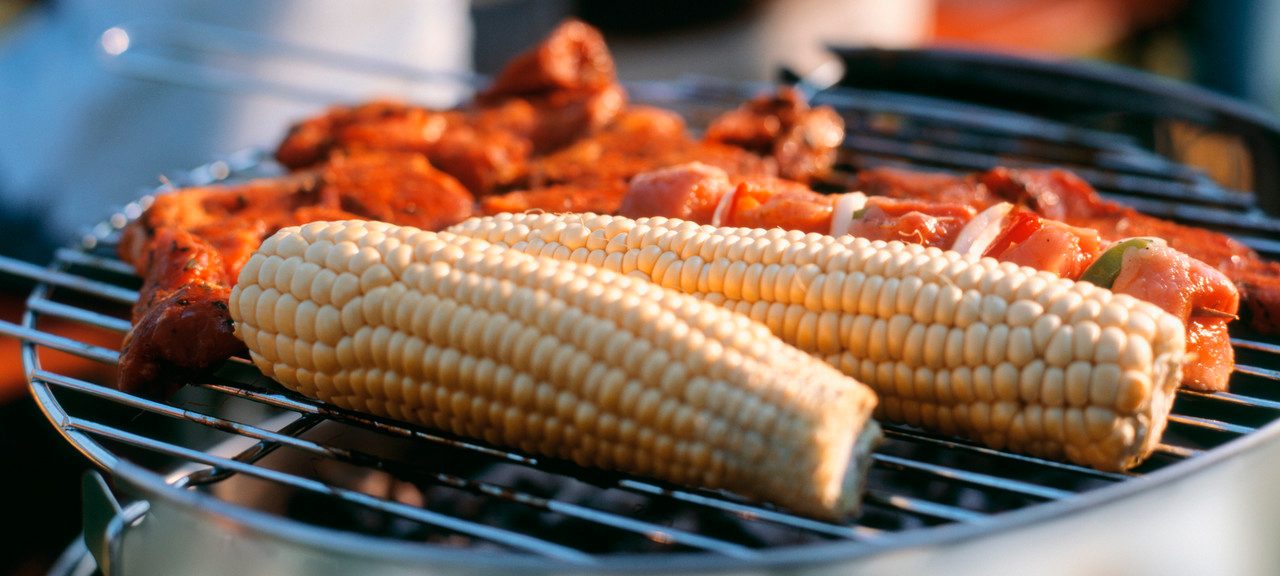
(329, 467)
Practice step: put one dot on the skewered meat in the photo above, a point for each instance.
(1161, 275)
(1061, 195)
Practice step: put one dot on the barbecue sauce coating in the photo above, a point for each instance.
(181, 322)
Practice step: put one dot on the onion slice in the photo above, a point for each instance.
(842, 215)
(724, 207)
(979, 233)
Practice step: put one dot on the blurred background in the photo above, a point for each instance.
(99, 100)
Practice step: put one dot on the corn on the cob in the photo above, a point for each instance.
(554, 358)
(1009, 356)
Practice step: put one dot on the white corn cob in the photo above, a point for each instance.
(1009, 356)
(553, 358)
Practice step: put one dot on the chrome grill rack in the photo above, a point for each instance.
(238, 439)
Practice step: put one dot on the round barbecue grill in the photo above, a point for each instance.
(237, 475)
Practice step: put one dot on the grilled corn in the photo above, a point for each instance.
(554, 358)
(1012, 357)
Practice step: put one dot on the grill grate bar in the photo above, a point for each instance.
(893, 430)
(1255, 345)
(283, 401)
(1231, 398)
(974, 478)
(68, 280)
(60, 343)
(82, 258)
(250, 455)
(955, 115)
(1253, 221)
(1210, 424)
(922, 507)
(1123, 161)
(649, 530)
(1266, 373)
(632, 485)
(81, 315)
(505, 537)
(969, 160)
(747, 511)
(654, 532)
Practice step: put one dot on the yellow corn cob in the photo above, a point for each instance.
(553, 358)
(1009, 356)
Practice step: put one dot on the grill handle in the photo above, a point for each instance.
(105, 521)
(1087, 93)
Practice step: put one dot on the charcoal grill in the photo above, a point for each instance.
(237, 475)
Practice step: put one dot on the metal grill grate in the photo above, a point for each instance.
(325, 466)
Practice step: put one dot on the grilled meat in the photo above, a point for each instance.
(573, 57)
(592, 174)
(181, 322)
(1164, 276)
(548, 97)
(1061, 195)
(189, 247)
(782, 126)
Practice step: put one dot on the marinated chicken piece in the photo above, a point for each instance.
(932, 186)
(782, 126)
(204, 211)
(686, 191)
(1061, 195)
(181, 322)
(573, 57)
(761, 202)
(190, 244)
(592, 174)
(482, 152)
(930, 224)
(1183, 286)
(397, 188)
(1030, 240)
(556, 93)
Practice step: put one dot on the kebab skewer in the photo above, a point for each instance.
(1144, 267)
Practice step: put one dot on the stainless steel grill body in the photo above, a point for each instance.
(236, 475)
